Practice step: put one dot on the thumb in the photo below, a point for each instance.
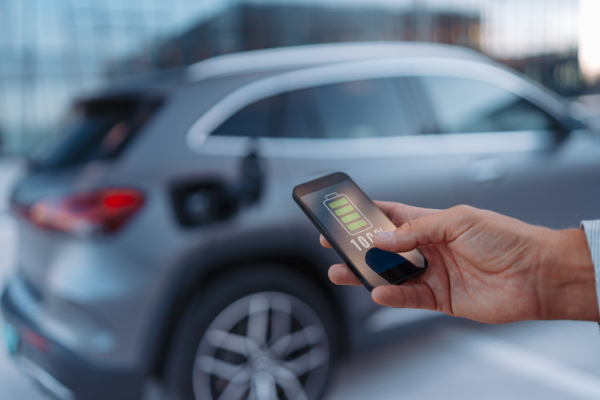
(439, 227)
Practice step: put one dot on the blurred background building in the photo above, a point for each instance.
(53, 51)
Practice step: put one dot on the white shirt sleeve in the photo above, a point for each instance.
(592, 233)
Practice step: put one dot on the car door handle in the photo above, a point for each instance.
(485, 170)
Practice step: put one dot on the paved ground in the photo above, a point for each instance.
(455, 359)
(441, 359)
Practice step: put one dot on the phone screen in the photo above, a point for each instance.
(351, 219)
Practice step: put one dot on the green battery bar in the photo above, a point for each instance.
(346, 213)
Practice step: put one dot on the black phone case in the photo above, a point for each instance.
(338, 250)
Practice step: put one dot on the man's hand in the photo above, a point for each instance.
(486, 266)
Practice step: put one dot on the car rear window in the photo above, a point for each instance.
(99, 129)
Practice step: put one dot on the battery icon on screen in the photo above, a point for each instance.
(347, 214)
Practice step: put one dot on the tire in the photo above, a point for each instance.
(260, 333)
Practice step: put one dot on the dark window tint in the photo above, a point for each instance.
(361, 109)
(101, 129)
(256, 120)
(466, 106)
(297, 117)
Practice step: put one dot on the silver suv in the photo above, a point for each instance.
(160, 246)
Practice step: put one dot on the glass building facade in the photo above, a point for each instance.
(55, 51)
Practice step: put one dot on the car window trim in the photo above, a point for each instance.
(323, 75)
(383, 146)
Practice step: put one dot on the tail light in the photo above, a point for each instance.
(36, 340)
(103, 211)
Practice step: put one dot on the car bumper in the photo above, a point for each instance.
(60, 371)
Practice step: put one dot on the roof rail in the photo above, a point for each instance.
(297, 56)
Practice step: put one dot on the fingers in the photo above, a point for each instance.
(324, 242)
(400, 213)
(418, 295)
(434, 228)
(340, 274)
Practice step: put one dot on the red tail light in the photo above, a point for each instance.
(104, 211)
(36, 340)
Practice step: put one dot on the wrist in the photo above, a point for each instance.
(566, 282)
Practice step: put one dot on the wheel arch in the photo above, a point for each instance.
(196, 275)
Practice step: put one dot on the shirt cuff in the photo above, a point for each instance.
(592, 233)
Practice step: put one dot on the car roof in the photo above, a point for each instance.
(238, 68)
(293, 57)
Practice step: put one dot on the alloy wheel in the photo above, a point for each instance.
(265, 346)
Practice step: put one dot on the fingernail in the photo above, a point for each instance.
(383, 236)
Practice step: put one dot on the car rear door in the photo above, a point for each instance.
(370, 129)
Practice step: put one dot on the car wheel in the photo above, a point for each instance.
(261, 333)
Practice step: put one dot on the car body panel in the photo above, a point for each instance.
(115, 302)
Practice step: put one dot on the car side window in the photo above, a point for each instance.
(463, 105)
(258, 119)
(354, 109)
(297, 117)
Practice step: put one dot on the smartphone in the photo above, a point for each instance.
(349, 219)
